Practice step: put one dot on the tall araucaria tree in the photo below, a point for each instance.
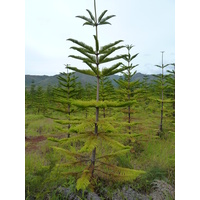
(161, 86)
(66, 91)
(99, 137)
(127, 87)
(170, 80)
(95, 57)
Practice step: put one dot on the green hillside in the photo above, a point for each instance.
(44, 80)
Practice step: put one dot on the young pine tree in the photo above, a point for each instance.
(40, 100)
(32, 94)
(127, 87)
(170, 81)
(145, 93)
(66, 91)
(161, 86)
(95, 57)
(99, 137)
(106, 91)
(88, 94)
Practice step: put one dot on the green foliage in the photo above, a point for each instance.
(38, 125)
(112, 172)
(100, 104)
(97, 147)
(84, 181)
(92, 21)
(41, 179)
(66, 91)
(36, 99)
(145, 182)
(124, 160)
(155, 157)
(93, 58)
(127, 89)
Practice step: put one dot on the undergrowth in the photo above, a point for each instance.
(153, 154)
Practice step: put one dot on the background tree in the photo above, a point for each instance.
(127, 86)
(89, 94)
(170, 88)
(50, 94)
(66, 91)
(145, 91)
(27, 99)
(106, 91)
(161, 85)
(36, 100)
(32, 94)
(40, 100)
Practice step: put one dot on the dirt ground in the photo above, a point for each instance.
(33, 142)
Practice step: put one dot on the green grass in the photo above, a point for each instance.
(151, 153)
(39, 125)
(156, 153)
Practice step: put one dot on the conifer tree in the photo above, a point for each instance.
(161, 86)
(32, 94)
(170, 80)
(66, 91)
(99, 137)
(80, 91)
(27, 99)
(94, 57)
(145, 93)
(36, 98)
(89, 94)
(40, 100)
(128, 87)
(89, 91)
(106, 91)
(49, 94)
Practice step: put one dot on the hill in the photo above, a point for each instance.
(45, 80)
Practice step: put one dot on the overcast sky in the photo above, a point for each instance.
(149, 25)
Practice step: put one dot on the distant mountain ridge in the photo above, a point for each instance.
(44, 80)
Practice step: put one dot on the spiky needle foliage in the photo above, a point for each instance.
(161, 83)
(98, 145)
(106, 91)
(128, 87)
(67, 91)
(170, 80)
(94, 57)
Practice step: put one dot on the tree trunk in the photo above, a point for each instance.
(97, 109)
(69, 119)
(129, 108)
(161, 118)
(129, 119)
(93, 159)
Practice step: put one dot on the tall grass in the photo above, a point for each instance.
(39, 125)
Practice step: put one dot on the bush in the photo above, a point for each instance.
(144, 184)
